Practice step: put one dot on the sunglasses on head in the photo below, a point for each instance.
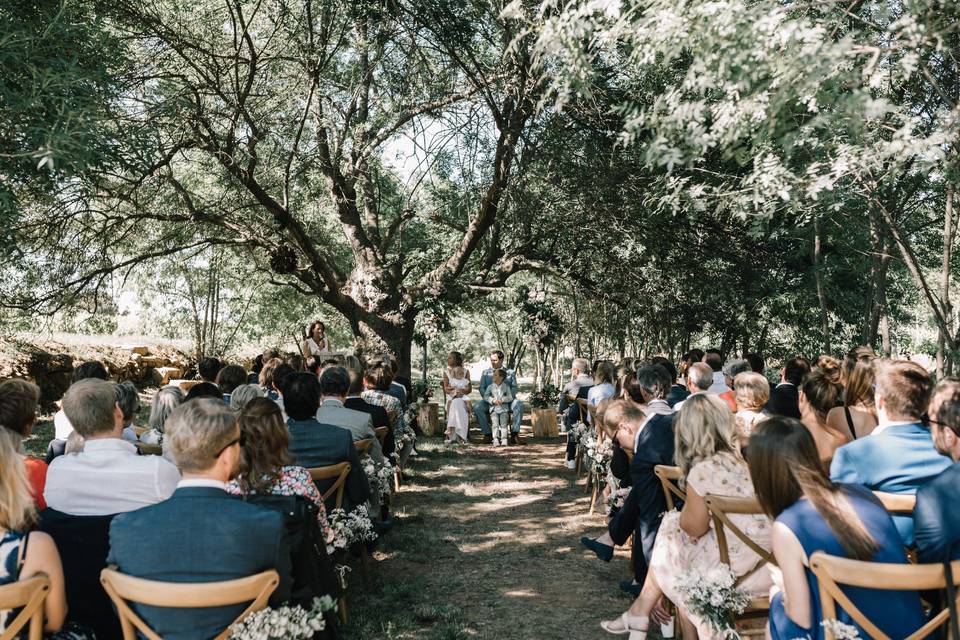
(237, 440)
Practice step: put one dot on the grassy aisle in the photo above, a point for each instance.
(488, 548)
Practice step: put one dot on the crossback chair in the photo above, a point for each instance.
(897, 503)
(721, 508)
(832, 572)
(363, 446)
(29, 594)
(382, 433)
(124, 589)
(670, 482)
(338, 471)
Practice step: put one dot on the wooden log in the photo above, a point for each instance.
(185, 385)
(154, 361)
(428, 418)
(544, 423)
(163, 375)
(143, 351)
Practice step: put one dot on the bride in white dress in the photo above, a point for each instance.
(456, 384)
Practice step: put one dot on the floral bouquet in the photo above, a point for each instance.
(385, 473)
(616, 498)
(549, 396)
(599, 455)
(347, 529)
(840, 630)
(714, 596)
(578, 431)
(286, 623)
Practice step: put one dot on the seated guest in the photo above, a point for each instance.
(752, 392)
(713, 359)
(61, 423)
(296, 362)
(202, 533)
(580, 378)
(108, 476)
(203, 390)
(397, 390)
(645, 504)
(819, 394)
(699, 380)
(128, 399)
(266, 466)
(481, 408)
(313, 364)
(376, 382)
(266, 377)
(756, 362)
(208, 369)
(352, 363)
(708, 455)
(18, 413)
(731, 369)
(314, 444)
(899, 456)
(164, 402)
(229, 378)
(813, 514)
(378, 415)
(678, 391)
(334, 384)
(784, 399)
(25, 554)
(603, 387)
(244, 394)
(936, 517)
(858, 415)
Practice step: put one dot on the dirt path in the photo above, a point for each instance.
(488, 548)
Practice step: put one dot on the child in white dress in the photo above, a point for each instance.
(498, 396)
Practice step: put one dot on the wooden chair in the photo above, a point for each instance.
(721, 507)
(29, 594)
(832, 572)
(670, 481)
(363, 446)
(122, 589)
(382, 433)
(897, 503)
(150, 449)
(338, 471)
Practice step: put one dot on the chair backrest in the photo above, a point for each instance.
(29, 594)
(382, 434)
(363, 446)
(669, 479)
(897, 503)
(832, 572)
(338, 471)
(122, 589)
(150, 449)
(721, 508)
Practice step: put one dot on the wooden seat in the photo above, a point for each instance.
(670, 481)
(833, 572)
(363, 446)
(721, 507)
(382, 433)
(338, 471)
(123, 589)
(897, 503)
(149, 449)
(29, 594)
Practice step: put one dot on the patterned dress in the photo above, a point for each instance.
(294, 481)
(676, 553)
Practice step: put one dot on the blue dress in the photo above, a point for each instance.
(896, 613)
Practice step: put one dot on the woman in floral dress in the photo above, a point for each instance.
(708, 453)
(266, 467)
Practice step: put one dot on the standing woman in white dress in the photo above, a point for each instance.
(456, 384)
(317, 342)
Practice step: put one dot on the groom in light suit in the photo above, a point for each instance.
(481, 409)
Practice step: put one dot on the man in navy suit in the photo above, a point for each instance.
(898, 456)
(201, 533)
(314, 444)
(936, 517)
(785, 397)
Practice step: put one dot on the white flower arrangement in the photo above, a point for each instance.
(841, 630)
(347, 529)
(714, 596)
(616, 498)
(286, 623)
(599, 455)
(378, 475)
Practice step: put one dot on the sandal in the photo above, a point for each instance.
(621, 626)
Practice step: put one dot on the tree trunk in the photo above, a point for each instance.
(944, 358)
(818, 277)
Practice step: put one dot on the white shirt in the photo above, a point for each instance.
(202, 482)
(108, 477)
(719, 383)
(880, 428)
(61, 426)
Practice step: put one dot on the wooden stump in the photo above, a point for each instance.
(185, 385)
(544, 423)
(163, 375)
(428, 418)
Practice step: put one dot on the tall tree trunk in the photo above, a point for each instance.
(818, 276)
(945, 359)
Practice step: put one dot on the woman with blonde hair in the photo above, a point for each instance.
(751, 391)
(858, 415)
(707, 451)
(24, 554)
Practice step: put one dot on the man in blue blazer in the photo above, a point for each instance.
(936, 517)
(201, 533)
(314, 444)
(899, 456)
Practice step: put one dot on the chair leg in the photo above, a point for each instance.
(593, 497)
(396, 479)
(343, 609)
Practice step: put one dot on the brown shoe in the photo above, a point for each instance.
(487, 439)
